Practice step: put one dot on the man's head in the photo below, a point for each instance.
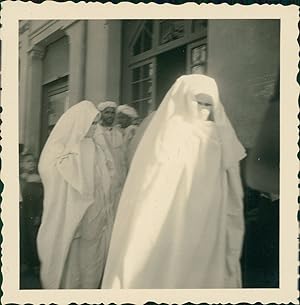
(27, 163)
(108, 113)
(123, 120)
(126, 115)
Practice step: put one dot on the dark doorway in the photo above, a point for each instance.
(55, 103)
(170, 65)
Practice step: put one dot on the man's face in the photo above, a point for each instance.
(28, 164)
(123, 119)
(108, 116)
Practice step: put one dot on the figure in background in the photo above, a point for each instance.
(23, 266)
(32, 208)
(180, 218)
(74, 236)
(140, 130)
(126, 116)
(137, 121)
(110, 141)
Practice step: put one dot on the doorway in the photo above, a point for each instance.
(170, 65)
(55, 103)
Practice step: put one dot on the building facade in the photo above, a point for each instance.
(62, 62)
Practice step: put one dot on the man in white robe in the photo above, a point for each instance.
(109, 138)
(126, 116)
(140, 130)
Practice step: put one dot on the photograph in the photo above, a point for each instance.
(150, 153)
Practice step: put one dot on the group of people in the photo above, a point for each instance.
(158, 205)
(112, 136)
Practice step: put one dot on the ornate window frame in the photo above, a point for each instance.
(138, 84)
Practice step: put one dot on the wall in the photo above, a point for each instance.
(37, 24)
(36, 67)
(243, 57)
(88, 51)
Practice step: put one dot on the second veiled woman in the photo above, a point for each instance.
(180, 217)
(77, 220)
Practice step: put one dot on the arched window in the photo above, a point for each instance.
(170, 30)
(144, 39)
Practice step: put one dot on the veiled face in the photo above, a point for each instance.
(205, 106)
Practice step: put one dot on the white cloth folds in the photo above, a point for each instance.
(180, 218)
(140, 130)
(66, 168)
(110, 141)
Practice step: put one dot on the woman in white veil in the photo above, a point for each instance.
(180, 217)
(76, 224)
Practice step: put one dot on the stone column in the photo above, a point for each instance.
(34, 100)
(23, 68)
(113, 69)
(96, 61)
(77, 47)
(103, 60)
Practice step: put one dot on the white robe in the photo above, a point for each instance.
(134, 142)
(128, 134)
(89, 247)
(112, 144)
(66, 168)
(180, 217)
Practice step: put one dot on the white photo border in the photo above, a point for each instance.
(12, 12)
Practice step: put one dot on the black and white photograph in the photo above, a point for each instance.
(150, 152)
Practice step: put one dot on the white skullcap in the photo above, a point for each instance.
(128, 110)
(108, 104)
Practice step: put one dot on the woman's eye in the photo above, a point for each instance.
(204, 104)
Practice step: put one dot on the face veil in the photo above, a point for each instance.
(178, 116)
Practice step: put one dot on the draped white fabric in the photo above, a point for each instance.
(180, 217)
(140, 130)
(88, 250)
(111, 142)
(66, 168)
(128, 135)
